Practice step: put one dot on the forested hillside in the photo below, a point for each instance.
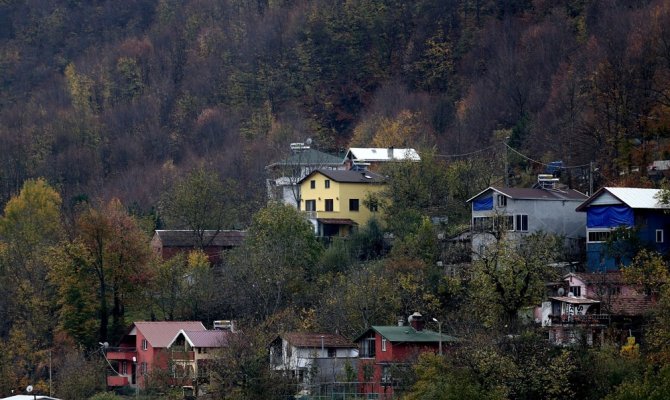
(116, 98)
(119, 117)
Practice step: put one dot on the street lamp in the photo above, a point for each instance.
(439, 327)
(137, 384)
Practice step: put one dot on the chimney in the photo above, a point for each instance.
(401, 321)
(417, 321)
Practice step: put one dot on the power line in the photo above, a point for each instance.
(464, 154)
(545, 164)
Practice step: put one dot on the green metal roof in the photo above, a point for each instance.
(408, 334)
(309, 157)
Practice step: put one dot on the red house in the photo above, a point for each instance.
(168, 243)
(144, 350)
(387, 352)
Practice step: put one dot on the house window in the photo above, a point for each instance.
(332, 353)
(502, 201)
(329, 204)
(482, 224)
(505, 222)
(143, 368)
(659, 235)
(615, 290)
(387, 379)
(312, 184)
(353, 204)
(124, 368)
(521, 223)
(368, 347)
(327, 183)
(576, 290)
(310, 205)
(598, 236)
(383, 344)
(145, 344)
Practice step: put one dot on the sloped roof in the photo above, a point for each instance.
(313, 340)
(639, 198)
(591, 278)
(185, 238)
(371, 154)
(161, 333)
(198, 338)
(348, 176)
(535, 194)
(309, 157)
(632, 306)
(575, 300)
(407, 334)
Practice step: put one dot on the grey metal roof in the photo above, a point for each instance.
(309, 157)
(407, 334)
(535, 194)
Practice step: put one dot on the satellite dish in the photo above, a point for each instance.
(561, 291)
(29, 388)
(308, 141)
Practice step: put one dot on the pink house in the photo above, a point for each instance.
(144, 351)
(584, 304)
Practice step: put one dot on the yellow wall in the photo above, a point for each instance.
(341, 193)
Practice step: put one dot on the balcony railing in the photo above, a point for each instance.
(580, 319)
(310, 214)
(121, 353)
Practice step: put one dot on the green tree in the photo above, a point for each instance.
(31, 223)
(511, 275)
(276, 263)
(98, 270)
(437, 379)
(242, 370)
(200, 202)
(414, 190)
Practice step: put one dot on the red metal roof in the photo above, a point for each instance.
(161, 333)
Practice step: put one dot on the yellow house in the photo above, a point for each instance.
(335, 200)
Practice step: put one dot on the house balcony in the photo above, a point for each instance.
(309, 214)
(121, 353)
(182, 355)
(586, 319)
(117, 380)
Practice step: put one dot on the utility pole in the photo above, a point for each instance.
(506, 161)
(591, 178)
(50, 392)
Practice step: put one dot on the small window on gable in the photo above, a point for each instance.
(659, 236)
(383, 344)
(327, 183)
(576, 290)
(145, 344)
(502, 201)
(312, 184)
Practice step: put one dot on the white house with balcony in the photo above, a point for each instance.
(313, 357)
